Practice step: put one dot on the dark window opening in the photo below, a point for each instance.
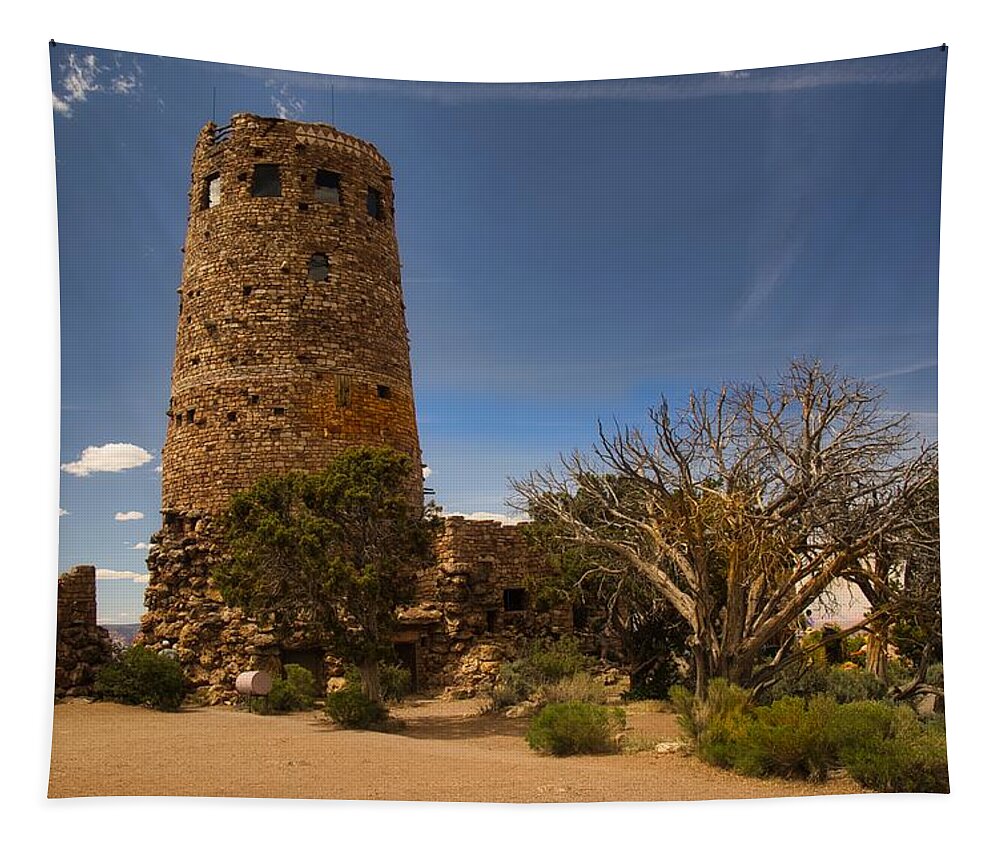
(383, 391)
(190, 415)
(195, 360)
(231, 416)
(254, 398)
(278, 412)
(247, 290)
(319, 267)
(374, 203)
(328, 186)
(242, 177)
(515, 599)
(303, 208)
(179, 419)
(343, 391)
(211, 193)
(491, 620)
(266, 182)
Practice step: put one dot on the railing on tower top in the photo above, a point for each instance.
(221, 134)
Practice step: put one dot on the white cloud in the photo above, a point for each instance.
(286, 105)
(505, 519)
(61, 106)
(158, 468)
(138, 578)
(142, 545)
(63, 512)
(110, 458)
(427, 471)
(122, 516)
(84, 75)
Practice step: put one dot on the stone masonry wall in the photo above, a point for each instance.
(82, 647)
(275, 370)
(468, 624)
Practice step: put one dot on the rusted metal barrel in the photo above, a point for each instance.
(254, 683)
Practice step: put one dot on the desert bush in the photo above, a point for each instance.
(579, 688)
(848, 685)
(886, 748)
(562, 729)
(511, 687)
(790, 738)
(543, 666)
(394, 682)
(844, 685)
(351, 708)
(553, 662)
(297, 691)
(142, 677)
(718, 723)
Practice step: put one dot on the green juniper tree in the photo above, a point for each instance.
(334, 552)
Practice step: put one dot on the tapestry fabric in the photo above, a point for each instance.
(524, 442)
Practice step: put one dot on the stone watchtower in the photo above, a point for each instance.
(291, 346)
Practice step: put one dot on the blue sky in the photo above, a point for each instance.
(571, 251)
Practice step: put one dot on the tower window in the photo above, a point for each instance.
(515, 599)
(231, 417)
(190, 415)
(211, 193)
(383, 391)
(279, 412)
(328, 186)
(343, 391)
(254, 398)
(374, 203)
(319, 267)
(266, 181)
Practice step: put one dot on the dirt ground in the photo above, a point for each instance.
(447, 751)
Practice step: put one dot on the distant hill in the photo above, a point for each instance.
(123, 632)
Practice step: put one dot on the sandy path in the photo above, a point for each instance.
(445, 753)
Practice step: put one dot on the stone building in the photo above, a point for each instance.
(292, 346)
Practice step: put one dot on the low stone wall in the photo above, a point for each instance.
(82, 647)
(479, 605)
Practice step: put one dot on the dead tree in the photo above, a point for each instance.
(742, 508)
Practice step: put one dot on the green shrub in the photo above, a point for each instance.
(294, 693)
(853, 684)
(394, 682)
(562, 729)
(142, 677)
(886, 748)
(790, 738)
(351, 708)
(579, 688)
(718, 723)
(553, 662)
(511, 687)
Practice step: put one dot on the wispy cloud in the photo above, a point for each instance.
(906, 369)
(63, 512)
(122, 575)
(898, 68)
(109, 458)
(142, 545)
(84, 75)
(286, 104)
(125, 516)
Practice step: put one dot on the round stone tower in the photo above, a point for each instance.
(291, 347)
(291, 339)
